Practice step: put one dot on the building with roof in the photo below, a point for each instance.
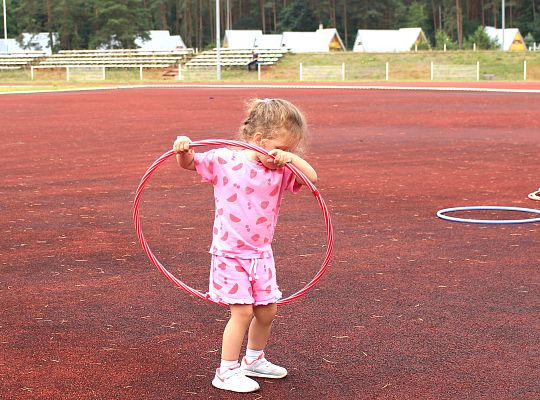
(29, 42)
(272, 41)
(322, 40)
(10, 46)
(250, 39)
(157, 41)
(241, 39)
(389, 41)
(513, 41)
(160, 41)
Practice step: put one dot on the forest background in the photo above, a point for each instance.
(87, 24)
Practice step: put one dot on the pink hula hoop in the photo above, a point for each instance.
(220, 142)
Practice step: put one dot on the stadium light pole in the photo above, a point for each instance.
(502, 23)
(218, 44)
(5, 27)
(228, 14)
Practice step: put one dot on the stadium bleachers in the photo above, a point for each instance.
(117, 58)
(13, 61)
(168, 60)
(235, 57)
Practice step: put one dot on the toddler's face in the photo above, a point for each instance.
(282, 141)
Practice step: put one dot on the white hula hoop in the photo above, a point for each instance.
(441, 214)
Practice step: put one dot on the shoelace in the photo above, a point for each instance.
(263, 363)
(267, 364)
(235, 368)
(253, 270)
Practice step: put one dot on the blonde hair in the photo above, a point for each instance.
(271, 117)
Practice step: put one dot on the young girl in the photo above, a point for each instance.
(248, 189)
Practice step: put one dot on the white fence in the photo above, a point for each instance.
(207, 73)
(196, 74)
(90, 72)
(440, 72)
(323, 73)
(388, 72)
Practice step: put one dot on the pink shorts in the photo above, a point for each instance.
(243, 281)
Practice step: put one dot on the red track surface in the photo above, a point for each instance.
(412, 307)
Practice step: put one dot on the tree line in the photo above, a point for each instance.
(87, 24)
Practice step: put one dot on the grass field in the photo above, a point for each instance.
(360, 67)
(503, 66)
(29, 88)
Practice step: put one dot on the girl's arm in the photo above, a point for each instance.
(185, 157)
(283, 157)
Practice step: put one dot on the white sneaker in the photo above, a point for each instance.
(234, 380)
(262, 368)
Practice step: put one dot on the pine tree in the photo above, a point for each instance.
(297, 16)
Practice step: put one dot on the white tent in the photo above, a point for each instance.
(241, 39)
(513, 41)
(30, 42)
(320, 41)
(388, 41)
(269, 41)
(331, 37)
(10, 46)
(159, 41)
(250, 39)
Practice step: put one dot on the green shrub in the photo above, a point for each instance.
(529, 40)
(442, 38)
(482, 40)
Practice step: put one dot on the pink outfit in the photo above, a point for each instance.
(247, 197)
(243, 281)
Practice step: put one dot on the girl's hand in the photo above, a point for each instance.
(185, 157)
(181, 145)
(281, 157)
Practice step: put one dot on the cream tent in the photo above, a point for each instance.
(250, 39)
(513, 41)
(159, 41)
(30, 42)
(269, 41)
(388, 41)
(11, 46)
(241, 39)
(320, 41)
(331, 38)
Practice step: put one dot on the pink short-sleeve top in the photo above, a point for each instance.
(247, 197)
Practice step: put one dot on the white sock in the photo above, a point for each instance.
(225, 365)
(252, 355)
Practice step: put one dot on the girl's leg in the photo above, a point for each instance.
(255, 362)
(229, 376)
(235, 330)
(261, 324)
